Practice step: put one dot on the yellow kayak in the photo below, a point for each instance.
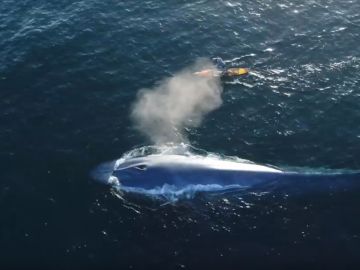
(230, 72)
(236, 71)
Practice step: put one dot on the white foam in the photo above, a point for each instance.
(173, 193)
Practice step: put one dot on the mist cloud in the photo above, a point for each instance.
(176, 103)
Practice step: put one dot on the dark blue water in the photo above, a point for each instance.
(69, 72)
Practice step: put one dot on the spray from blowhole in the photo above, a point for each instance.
(164, 112)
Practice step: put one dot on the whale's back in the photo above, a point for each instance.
(178, 170)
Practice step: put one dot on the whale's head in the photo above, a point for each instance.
(123, 171)
(126, 170)
(153, 170)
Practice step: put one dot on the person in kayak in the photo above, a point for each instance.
(219, 63)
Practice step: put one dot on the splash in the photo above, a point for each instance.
(164, 112)
(172, 193)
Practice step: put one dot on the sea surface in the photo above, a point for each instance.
(70, 72)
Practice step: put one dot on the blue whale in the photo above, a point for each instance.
(175, 175)
(158, 170)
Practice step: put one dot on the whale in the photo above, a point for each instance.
(173, 175)
(158, 170)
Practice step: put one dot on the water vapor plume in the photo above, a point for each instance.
(176, 103)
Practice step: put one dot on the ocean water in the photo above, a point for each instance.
(69, 74)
